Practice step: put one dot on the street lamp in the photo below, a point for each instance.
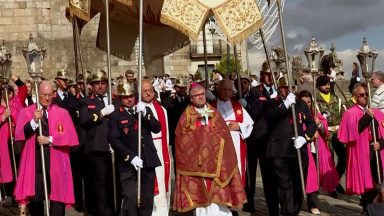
(5, 74)
(314, 53)
(34, 58)
(5, 64)
(367, 59)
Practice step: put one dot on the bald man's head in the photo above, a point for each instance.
(46, 93)
(224, 89)
(147, 92)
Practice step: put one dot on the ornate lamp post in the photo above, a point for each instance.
(5, 73)
(367, 60)
(314, 53)
(34, 58)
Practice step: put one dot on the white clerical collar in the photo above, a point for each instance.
(200, 110)
(363, 108)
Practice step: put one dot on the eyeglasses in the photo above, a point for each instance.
(198, 95)
(362, 95)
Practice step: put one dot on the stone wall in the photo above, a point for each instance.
(46, 21)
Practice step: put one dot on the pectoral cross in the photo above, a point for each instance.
(205, 113)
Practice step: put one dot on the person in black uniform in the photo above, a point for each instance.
(281, 146)
(123, 136)
(66, 100)
(63, 98)
(256, 143)
(94, 112)
(175, 106)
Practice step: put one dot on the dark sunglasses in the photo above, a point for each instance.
(362, 95)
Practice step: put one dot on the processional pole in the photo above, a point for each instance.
(367, 60)
(314, 54)
(267, 56)
(79, 53)
(140, 75)
(110, 99)
(205, 58)
(289, 73)
(35, 60)
(5, 64)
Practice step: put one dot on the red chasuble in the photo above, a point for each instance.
(205, 153)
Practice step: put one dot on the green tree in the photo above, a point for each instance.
(223, 64)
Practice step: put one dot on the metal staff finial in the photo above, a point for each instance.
(34, 58)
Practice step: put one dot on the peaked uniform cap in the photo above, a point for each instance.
(98, 76)
(283, 82)
(71, 82)
(245, 76)
(62, 74)
(80, 77)
(125, 89)
(181, 82)
(265, 68)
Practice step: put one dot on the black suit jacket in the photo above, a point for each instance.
(71, 104)
(280, 128)
(174, 110)
(256, 98)
(123, 136)
(95, 126)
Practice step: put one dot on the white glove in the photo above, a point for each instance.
(137, 162)
(313, 148)
(107, 110)
(243, 102)
(358, 79)
(273, 95)
(299, 142)
(140, 107)
(291, 99)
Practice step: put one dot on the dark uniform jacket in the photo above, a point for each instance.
(71, 104)
(256, 98)
(280, 128)
(174, 110)
(96, 126)
(123, 134)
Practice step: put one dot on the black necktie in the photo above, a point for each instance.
(65, 94)
(270, 91)
(131, 111)
(101, 97)
(44, 122)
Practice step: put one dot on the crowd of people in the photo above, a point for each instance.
(89, 140)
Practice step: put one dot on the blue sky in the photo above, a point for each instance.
(342, 22)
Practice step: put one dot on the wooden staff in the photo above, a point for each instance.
(139, 98)
(11, 133)
(289, 72)
(37, 81)
(110, 98)
(315, 111)
(374, 136)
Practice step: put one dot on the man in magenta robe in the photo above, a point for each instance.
(355, 131)
(58, 135)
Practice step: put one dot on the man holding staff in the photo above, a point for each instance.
(58, 135)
